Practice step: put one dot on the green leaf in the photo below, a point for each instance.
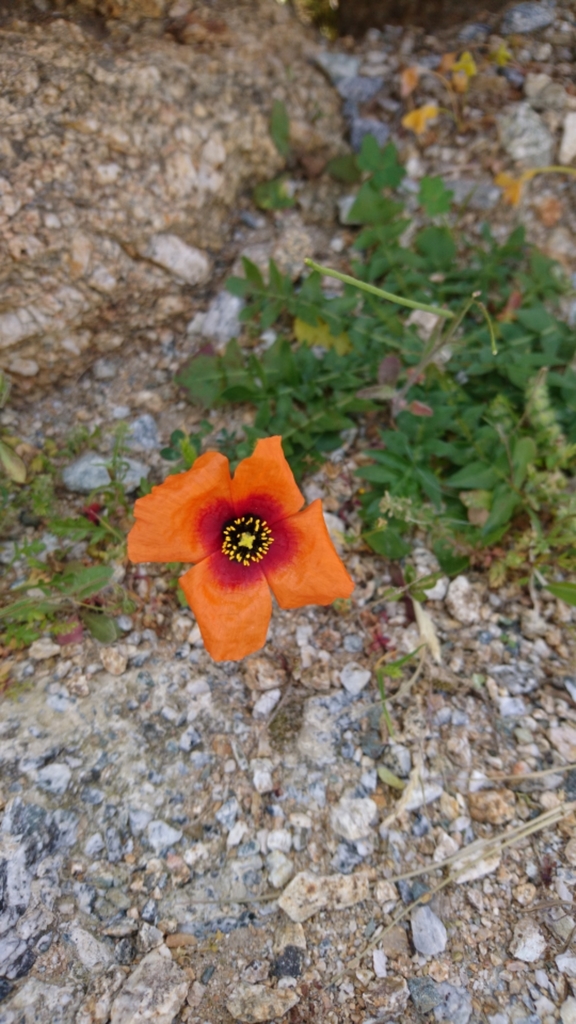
(565, 591)
(272, 195)
(477, 476)
(101, 626)
(524, 455)
(389, 779)
(12, 464)
(344, 169)
(504, 505)
(280, 128)
(434, 196)
(387, 542)
(370, 207)
(438, 246)
(450, 561)
(84, 583)
(381, 163)
(202, 379)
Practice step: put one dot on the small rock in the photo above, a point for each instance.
(289, 963)
(568, 1011)
(428, 933)
(280, 869)
(54, 778)
(424, 794)
(161, 835)
(424, 993)
(545, 94)
(395, 943)
(338, 65)
(155, 991)
(362, 126)
(475, 32)
(113, 661)
(262, 775)
(92, 953)
(455, 1004)
(104, 369)
(266, 703)
(352, 818)
(512, 707)
(279, 839)
(143, 433)
(463, 601)
(89, 473)
(43, 648)
(524, 136)
(563, 737)
(568, 143)
(527, 17)
(182, 260)
(380, 963)
(528, 942)
(227, 814)
(221, 321)
(307, 893)
(390, 995)
(354, 678)
(495, 806)
(566, 964)
(289, 933)
(359, 88)
(256, 1003)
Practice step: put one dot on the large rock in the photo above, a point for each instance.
(126, 155)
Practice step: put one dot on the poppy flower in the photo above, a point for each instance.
(247, 537)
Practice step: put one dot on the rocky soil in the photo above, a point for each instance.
(184, 841)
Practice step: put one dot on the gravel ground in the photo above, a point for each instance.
(185, 841)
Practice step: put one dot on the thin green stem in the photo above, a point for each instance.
(364, 287)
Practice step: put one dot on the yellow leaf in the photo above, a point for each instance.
(460, 81)
(417, 120)
(502, 55)
(511, 187)
(320, 335)
(409, 79)
(466, 64)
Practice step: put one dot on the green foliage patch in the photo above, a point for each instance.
(476, 426)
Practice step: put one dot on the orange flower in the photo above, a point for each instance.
(247, 537)
(417, 120)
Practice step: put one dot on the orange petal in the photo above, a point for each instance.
(264, 483)
(232, 605)
(302, 566)
(181, 520)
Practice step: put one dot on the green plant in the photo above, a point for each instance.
(472, 397)
(184, 449)
(62, 601)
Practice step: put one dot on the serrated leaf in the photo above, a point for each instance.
(202, 379)
(387, 542)
(321, 335)
(12, 464)
(434, 196)
(86, 582)
(524, 455)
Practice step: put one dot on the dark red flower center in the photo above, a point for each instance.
(246, 539)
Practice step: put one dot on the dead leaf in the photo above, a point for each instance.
(320, 335)
(409, 79)
(417, 120)
(550, 211)
(447, 63)
(511, 187)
